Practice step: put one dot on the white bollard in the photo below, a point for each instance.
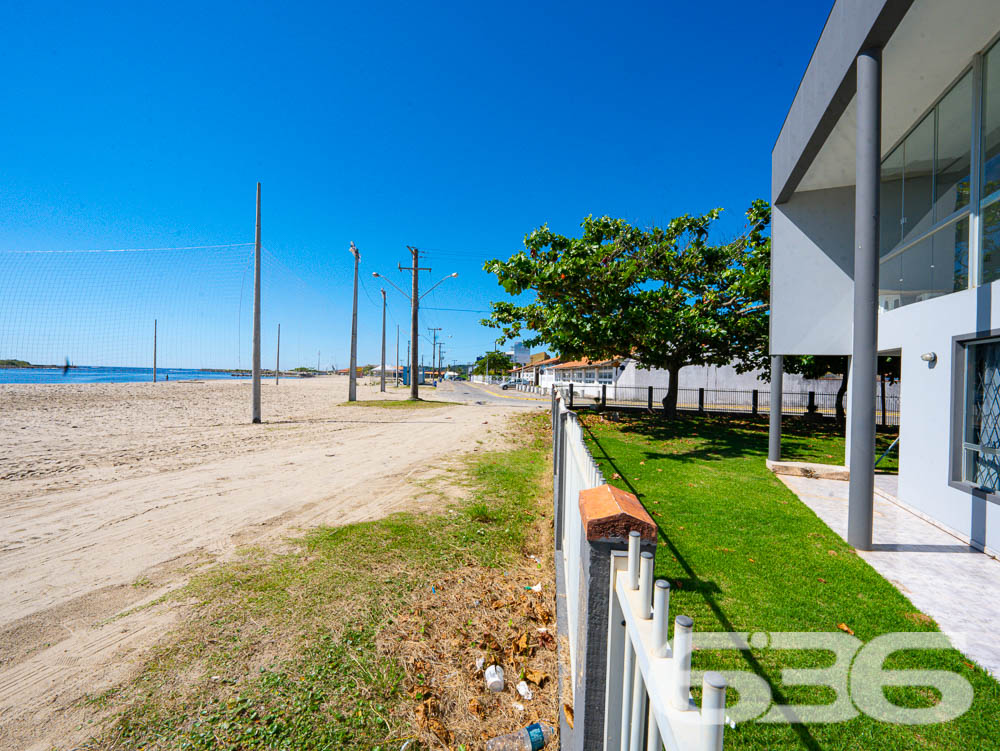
(661, 617)
(713, 711)
(645, 584)
(681, 690)
(633, 559)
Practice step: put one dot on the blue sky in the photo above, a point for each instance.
(455, 127)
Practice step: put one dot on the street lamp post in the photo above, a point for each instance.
(414, 299)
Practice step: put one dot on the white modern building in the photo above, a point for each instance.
(886, 239)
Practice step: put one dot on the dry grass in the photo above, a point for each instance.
(362, 636)
(470, 615)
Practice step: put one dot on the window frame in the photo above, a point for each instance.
(961, 396)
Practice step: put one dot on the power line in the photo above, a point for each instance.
(456, 310)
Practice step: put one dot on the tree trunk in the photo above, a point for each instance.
(841, 416)
(670, 400)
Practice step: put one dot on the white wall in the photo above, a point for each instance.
(925, 404)
(812, 284)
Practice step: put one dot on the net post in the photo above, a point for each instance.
(255, 390)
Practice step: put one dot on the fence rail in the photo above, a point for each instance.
(748, 401)
(631, 687)
(656, 670)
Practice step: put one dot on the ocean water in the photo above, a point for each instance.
(84, 374)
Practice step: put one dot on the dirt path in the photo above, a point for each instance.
(113, 494)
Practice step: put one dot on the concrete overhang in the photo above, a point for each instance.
(926, 45)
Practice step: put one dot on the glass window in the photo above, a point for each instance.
(981, 445)
(891, 197)
(606, 375)
(953, 156)
(991, 122)
(991, 243)
(935, 266)
(589, 375)
(918, 179)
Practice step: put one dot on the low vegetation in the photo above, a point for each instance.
(364, 636)
(744, 554)
(823, 442)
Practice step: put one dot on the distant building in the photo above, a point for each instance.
(519, 354)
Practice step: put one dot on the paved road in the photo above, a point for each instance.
(480, 393)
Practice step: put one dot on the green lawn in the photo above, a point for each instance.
(744, 554)
(823, 442)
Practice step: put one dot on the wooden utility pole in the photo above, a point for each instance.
(352, 389)
(277, 358)
(255, 389)
(415, 270)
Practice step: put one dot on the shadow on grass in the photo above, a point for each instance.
(709, 590)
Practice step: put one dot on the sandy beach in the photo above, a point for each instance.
(112, 494)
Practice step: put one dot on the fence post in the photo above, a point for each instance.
(882, 398)
(683, 626)
(604, 395)
(649, 399)
(713, 711)
(812, 402)
(754, 402)
(571, 396)
(701, 400)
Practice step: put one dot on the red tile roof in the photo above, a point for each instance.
(585, 363)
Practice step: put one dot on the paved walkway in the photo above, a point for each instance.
(958, 586)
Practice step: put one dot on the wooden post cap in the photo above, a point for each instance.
(610, 512)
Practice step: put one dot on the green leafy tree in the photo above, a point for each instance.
(665, 296)
(815, 367)
(498, 363)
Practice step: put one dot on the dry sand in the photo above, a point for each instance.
(112, 494)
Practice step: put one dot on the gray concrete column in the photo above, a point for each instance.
(865, 351)
(774, 410)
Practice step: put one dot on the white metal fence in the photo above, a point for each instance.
(647, 699)
(651, 706)
(576, 471)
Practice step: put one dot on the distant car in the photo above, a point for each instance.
(515, 382)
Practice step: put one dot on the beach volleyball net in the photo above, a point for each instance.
(93, 315)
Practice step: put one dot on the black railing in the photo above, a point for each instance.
(739, 401)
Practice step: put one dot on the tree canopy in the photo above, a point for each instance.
(499, 363)
(666, 296)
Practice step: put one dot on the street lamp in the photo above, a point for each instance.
(414, 299)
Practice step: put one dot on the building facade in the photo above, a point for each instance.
(886, 240)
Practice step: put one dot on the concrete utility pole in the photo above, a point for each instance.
(414, 318)
(154, 350)
(277, 358)
(434, 345)
(382, 383)
(352, 389)
(414, 296)
(395, 373)
(255, 388)
(864, 358)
